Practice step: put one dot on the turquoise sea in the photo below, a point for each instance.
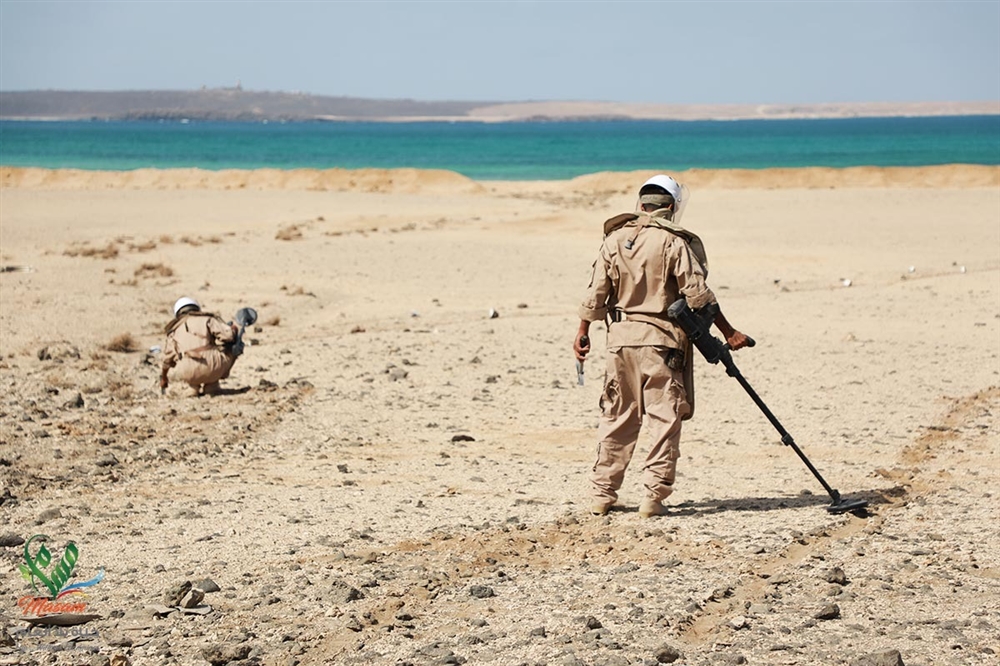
(505, 151)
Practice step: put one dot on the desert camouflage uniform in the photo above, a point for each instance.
(194, 349)
(643, 267)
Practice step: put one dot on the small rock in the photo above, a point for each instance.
(593, 623)
(666, 654)
(396, 374)
(208, 585)
(828, 612)
(886, 658)
(481, 591)
(174, 594)
(628, 567)
(159, 610)
(836, 576)
(75, 402)
(99, 660)
(538, 631)
(218, 655)
(119, 641)
(739, 622)
(47, 515)
(107, 460)
(6, 640)
(193, 598)
(730, 659)
(10, 540)
(342, 593)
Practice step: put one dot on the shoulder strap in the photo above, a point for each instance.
(644, 220)
(618, 221)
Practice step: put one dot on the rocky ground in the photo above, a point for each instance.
(404, 482)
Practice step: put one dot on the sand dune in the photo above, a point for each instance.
(415, 181)
(360, 180)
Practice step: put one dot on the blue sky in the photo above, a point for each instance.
(668, 52)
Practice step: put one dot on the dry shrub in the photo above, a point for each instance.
(154, 271)
(296, 291)
(289, 233)
(59, 381)
(193, 242)
(124, 343)
(166, 240)
(143, 247)
(273, 321)
(215, 240)
(109, 251)
(121, 390)
(98, 361)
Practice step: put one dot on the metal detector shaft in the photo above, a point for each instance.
(786, 437)
(696, 324)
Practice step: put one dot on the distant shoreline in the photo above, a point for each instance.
(237, 105)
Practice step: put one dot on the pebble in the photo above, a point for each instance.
(341, 593)
(207, 585)
(174, 594)
(47, 515)
(828, 612)
(481, 591)
(107, 460)
(885, 658)
(836, 576)
(217, 655)
(10, 540)
(193, 598)
(667, 654)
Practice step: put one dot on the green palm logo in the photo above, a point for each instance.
(34, 567)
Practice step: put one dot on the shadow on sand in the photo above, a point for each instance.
(874, 497)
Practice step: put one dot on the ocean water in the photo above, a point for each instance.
(505, 151)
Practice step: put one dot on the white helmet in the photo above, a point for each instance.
(679, 192)
(672, 187)
(183, 303)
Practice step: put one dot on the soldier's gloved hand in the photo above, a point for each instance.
(581, 347)
(737, 340)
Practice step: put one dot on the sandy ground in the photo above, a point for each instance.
(396, 477)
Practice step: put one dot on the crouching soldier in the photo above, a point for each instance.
(198, 348)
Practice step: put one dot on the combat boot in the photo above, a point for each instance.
(601, 508)
(651, 508)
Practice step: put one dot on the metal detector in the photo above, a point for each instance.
(244, 317)
(696, 324)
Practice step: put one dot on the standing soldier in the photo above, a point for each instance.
(647, 261)
(198, 347)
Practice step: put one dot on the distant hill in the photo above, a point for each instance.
(216, 103)
(238, 104)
